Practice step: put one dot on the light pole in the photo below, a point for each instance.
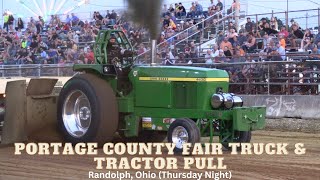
(237, 14)
(318, 11)
(2, 12)
(287, 15)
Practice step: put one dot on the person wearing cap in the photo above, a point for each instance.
(220, 5)
(266, 40)
(281, 50)
(192, 11)
(215, 50)
(221, 57)
(115, 53)
(76, 36)
(249, 25)
(296, 34)
(208, 57)
(199, 9)
(284, 32)
(233, 36)
(225, 43)
(241, 38)
(263, 24)
(220, 37)
(282, 41)
(294, 22)
(181, 11)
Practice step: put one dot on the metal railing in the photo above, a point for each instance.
(188, 30)
(309, 20)
(271, 77)
(36, 70)
(211, 25)
(266, 77)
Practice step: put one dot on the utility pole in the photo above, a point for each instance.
(2, 12)
(287, 15)
(237, 12)
(307, 21)
(319, 18)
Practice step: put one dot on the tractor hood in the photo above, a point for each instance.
(180, 73)
(177, 87)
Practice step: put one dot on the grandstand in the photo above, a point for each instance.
(191, 34)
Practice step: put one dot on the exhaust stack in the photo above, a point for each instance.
(153, 52)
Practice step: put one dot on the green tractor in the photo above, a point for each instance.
(150, 103)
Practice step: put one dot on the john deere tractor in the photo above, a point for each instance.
(149, 103)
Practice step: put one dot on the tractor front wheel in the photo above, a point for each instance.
(87, 110)
(183, 131)
(228, 136)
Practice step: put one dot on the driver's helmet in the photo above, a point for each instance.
(113, 39)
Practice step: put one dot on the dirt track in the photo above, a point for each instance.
(242, 167)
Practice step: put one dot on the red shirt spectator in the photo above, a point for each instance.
(283, 32)
(66, 27)
(89, 57)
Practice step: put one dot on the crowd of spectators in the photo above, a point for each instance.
(175, 23)
(69, 40)
(60, 41)
(37, 42)
(265, 41)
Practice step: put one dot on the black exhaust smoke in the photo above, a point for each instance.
(146, 13)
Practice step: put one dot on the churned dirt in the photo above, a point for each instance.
(246, 167)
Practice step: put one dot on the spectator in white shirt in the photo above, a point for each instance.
(215, 50)
(208, 57)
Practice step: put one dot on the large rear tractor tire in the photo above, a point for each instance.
(183, 131)
(87, 110)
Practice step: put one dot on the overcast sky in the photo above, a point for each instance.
(254, 7)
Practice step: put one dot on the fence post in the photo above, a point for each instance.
(58, 70)
(19, 70)
(307, 20)
(202, 33)
(217, 26)
(257, 22)
(3, 71)
(268, 79)
(39, 70)
(237, 13)
(287, 20)
(318, 19)
(223, 24)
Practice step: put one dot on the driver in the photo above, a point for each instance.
(115, 52)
